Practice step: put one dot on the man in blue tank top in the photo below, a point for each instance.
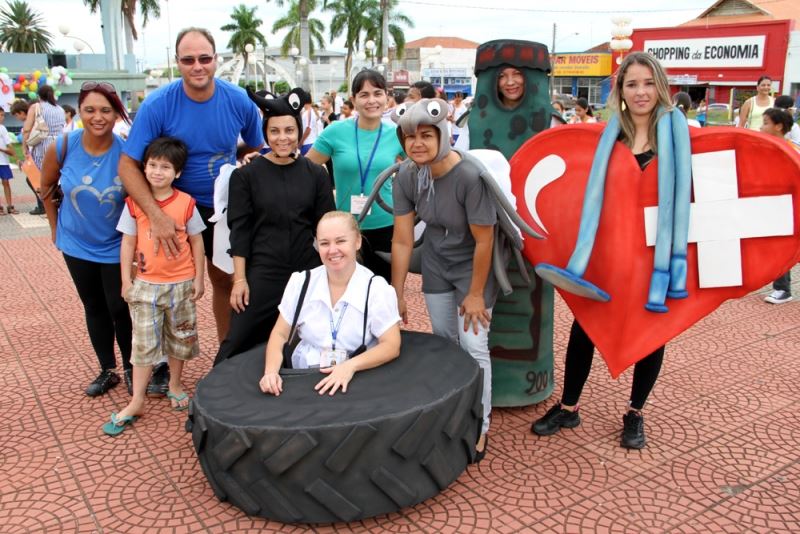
(208, 115)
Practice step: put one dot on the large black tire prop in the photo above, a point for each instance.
(401, 434)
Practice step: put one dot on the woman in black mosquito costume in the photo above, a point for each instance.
(274, 205)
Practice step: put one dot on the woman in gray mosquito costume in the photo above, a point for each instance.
(274, 205)
(453, 194)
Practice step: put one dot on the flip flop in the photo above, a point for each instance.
(178, 398)
(118, 425)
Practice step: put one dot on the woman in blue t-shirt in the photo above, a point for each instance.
(360, 150)
(83, 228)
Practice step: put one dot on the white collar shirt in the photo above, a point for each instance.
(317, 314)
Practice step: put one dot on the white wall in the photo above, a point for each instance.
(792, 71)
(448, 58)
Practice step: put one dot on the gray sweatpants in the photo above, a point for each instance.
(443, 311)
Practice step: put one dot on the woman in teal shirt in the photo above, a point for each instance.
(360, 150)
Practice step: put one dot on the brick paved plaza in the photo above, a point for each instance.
(723, 427)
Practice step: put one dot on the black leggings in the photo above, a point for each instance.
(580, 351)
(99, 286)
(254, 325)
(377, 239)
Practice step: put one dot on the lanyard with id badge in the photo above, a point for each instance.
(357, 202)
(333, 356)
(339, 355)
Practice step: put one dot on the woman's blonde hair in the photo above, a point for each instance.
(347, 217)
(615, 100)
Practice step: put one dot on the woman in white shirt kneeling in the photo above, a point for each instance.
(334, 335)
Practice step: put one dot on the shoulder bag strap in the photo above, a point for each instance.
(63, 151)
(54, 187)
(299, 305)
(366, 312)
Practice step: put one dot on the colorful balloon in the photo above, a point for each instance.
(33, 86)
(6, 89)
(31, 94)
(37, 73)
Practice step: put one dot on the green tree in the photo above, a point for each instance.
(147, 8)
(281, 87)
(245, 30)
(304, 9)
(291, 21)
(22, 29)
(351, 18)
(386, 16)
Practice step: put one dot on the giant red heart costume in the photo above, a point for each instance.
(621, 263)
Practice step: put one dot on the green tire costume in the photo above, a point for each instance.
(521, 336)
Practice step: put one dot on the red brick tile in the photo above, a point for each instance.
(42, 510)
(456, 511)
(721, 425)
(770, 504)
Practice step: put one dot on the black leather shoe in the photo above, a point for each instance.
(554, 420)
(480, 455)
(159, 382)
(128, 377)
(37, 211)
(107, 379)
(633, 431)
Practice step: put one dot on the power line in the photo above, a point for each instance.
(538, 10)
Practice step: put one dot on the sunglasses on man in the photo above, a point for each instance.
(188, 61)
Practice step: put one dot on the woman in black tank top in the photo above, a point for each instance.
(639, 97)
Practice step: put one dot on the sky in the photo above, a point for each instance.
(580, 24)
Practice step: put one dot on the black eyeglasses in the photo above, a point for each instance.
(188, 61)
(90, 86)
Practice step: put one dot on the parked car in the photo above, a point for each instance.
(719, 114)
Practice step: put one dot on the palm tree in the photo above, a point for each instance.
(291, 21)
(245, 30)
(304, 9)
(147, 8)
(351, 18)
(390, 20)
(21, 29)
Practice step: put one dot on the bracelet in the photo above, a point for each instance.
(240, 280)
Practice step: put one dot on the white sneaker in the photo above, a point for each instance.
(778, 297)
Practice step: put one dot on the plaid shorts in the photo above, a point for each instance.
(164, 321)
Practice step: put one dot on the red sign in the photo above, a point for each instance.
(400, 77)
(705, 43)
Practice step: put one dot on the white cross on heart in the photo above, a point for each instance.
(719, 219)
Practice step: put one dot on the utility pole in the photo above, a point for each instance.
(553, 63)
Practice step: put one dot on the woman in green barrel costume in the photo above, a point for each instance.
(511, 105)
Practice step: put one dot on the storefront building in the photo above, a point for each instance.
(586, 75)
(720, 63)
(453, 80)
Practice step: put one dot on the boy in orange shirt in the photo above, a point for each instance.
(162, 297)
